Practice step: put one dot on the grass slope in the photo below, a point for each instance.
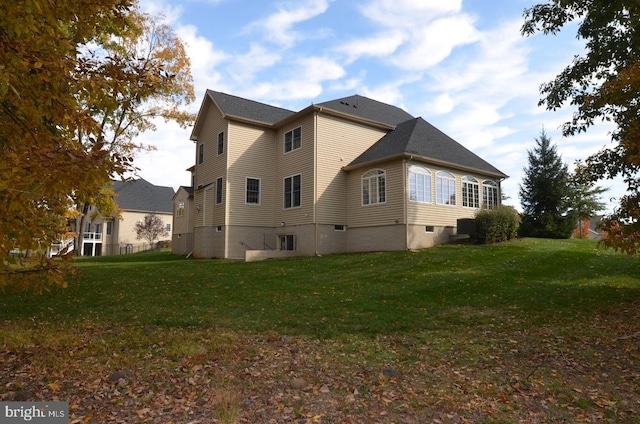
(527, 331)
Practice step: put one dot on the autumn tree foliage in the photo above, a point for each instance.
(545, 193)
(601, 84)
(150, 228)
(135, 78)
(67, 87)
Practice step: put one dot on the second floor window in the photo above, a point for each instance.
(109, 228)
(201, 153)
(219, 188)
(470, 192)
(180, 209)
(293, 139)
(221, 143)
(292, 192)
(374, 187)
(253, 191)
(445, 188)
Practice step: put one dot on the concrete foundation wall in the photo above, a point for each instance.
(372, 239)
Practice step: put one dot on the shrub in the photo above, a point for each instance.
(549, 226)
(496, 225)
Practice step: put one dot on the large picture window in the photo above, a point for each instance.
(293, 139)
(490, 194)
(445, 188)
(253, 191)
(470, 192)
(374, 187)
(292, 191)
(419, 184)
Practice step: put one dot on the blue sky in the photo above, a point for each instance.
(461, 65)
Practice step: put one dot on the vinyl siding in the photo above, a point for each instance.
(251, 153)
(340, 142)
(214, 165)
(442, 215)
(389, 213)
(127, 233)
(182, 224)
(299, 161)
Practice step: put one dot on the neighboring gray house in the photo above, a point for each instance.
(135, 199)
(347, 175)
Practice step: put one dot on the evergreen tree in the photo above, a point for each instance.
(545, 193)
(586, 201)
(602, 83)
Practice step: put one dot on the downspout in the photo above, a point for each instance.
(404, 203)
(315, 181)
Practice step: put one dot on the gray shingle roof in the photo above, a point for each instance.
(420, 138)
(248, 109)
(373, 110)
(141, 195)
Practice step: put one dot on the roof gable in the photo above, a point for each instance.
(417, 137)
(238, 107)
(141, 195)
(366, 108)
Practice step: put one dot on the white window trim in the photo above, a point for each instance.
(420, 170)
(486, 184)
(219, 182)
(473, 182)
(284, 192)
(246, 190)
(284, 141)
(200, 153)
(293, 240)
(449, 178)
(375, 175)
(218, 144)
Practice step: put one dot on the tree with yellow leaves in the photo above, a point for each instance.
(75, 90)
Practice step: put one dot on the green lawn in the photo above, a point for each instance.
(369, 294)
(527, 308)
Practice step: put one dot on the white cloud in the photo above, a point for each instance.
(380, 45)
(279, 27)
(205, 59)
(171, 12)
(175, 152)
(318, 69)
(305, 81)
(407, 13)
(439, 105)
(432, 43)
(244, 67)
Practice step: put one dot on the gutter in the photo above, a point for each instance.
(425, 159)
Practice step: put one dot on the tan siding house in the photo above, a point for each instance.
(346, 175)
(104, 236)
